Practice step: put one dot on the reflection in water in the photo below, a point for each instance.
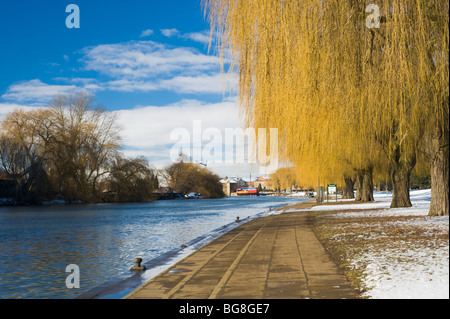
(37, 243)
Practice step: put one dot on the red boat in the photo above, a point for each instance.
(247, 191)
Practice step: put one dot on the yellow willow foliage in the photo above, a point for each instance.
(284, 178)
(338, 91)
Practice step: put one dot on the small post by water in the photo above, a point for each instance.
(137, 266)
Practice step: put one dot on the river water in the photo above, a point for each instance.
(37, 243)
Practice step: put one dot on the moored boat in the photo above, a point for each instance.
(194, 196)
(247, 191)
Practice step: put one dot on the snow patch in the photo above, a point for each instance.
(405, 270)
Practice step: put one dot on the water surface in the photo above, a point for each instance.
(37, 243)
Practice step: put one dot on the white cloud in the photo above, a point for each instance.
(144, 59)
(40, 93)
(146, 33)
(35, 90)
(147, 130)
(170, 32)
(208, 84)
(127, 85)
(144, 66)
(83, 81)
(202, 37)
(150, 126)
(201, 84)
(6, 108)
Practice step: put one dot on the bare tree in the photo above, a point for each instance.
(24, 169)
(74, 141)
(131, 180)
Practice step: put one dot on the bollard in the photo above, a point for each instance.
(137, 266)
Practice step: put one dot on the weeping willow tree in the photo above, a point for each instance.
(344, 97)
(412, 53)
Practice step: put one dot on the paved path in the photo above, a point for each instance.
(272, 257)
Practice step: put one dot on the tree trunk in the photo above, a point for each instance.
(439, 175)
(367, 187)
(364, 185)
(347, 192)
(400, 174)
(359, 183)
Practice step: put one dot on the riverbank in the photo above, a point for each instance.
(275, 257)
(123, 284)
(388, 253)
(371, 251)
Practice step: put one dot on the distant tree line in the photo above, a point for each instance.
(287, 179)
(71, 151)
(185, 177)
(284, 178)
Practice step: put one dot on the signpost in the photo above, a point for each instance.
(330, 189)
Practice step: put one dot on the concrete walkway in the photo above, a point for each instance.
(272, 257)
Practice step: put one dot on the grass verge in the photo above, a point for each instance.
(354, 239)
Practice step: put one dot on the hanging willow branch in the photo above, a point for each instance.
(338, 91)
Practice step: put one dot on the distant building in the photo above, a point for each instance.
(230, 185)
(264, 182)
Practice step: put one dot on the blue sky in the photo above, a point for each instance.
(147, 61)
(37, 45)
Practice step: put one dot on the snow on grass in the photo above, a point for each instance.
(415, 273)
(397, 253)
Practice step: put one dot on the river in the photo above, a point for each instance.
(37, 243)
